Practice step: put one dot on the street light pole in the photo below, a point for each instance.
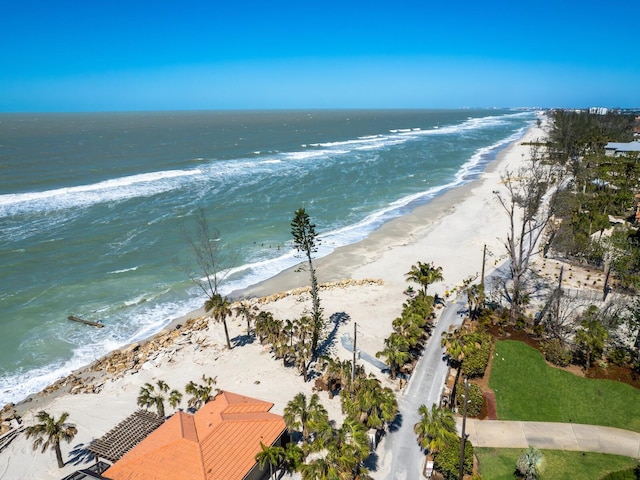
(464, 421)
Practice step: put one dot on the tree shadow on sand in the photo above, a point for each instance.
(396, 424)
(338, 318)
(80, 455)
(242, 340)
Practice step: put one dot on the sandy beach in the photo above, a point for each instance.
(449, 231)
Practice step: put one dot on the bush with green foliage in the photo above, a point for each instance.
(477, 355)
(476, 399)
(447, 460)
(619, 356)
(556, 353)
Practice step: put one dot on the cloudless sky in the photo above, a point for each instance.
(90, 55)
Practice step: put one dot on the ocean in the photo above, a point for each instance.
(93, 207)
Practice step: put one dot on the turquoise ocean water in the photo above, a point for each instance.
(91, 207)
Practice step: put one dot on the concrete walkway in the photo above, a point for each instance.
(552, 436)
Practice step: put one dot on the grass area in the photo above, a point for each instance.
(500, 464)
(526, 388)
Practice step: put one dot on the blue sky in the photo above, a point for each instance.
(93, 55)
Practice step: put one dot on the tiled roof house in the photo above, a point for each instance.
(218, 442)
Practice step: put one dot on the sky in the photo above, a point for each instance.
(112, 55)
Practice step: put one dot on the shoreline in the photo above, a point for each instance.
(333, 267)
(449, 230)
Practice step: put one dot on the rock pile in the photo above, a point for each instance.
(8, 417)
(129, 359)
(349, 282)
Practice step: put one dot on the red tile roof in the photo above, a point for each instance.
(219, 442)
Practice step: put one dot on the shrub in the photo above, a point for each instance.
(619, 356)
(477, 358)
(474, 407)
(447, 460)
(556, 353)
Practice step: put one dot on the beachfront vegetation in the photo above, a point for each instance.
(305, 240)
(152, 397)
(207, 267)
(410, 332)
(548, 394)
(436, 428)
(324, 452)
(468, 350)
(220, 309)
(529, 213)
(247, 311)
(436, 432)
(272, 455)
(50, 432)
(424, 274)
(199, 394)
(599, 186)
(498, 464)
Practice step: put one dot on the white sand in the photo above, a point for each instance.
(450, 231)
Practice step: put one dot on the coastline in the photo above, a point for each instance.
(450, 230)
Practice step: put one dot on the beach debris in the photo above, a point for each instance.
(349, 282)
(73, 318)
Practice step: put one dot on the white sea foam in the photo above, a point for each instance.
(144, 315)
(107, 191)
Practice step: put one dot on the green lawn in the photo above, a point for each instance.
(527, 389)
(500, 464)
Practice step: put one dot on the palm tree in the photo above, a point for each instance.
(396, 351)
(527, 464)
(50, 432)
(307, 416)
(370, 403)
(221, 309)
(201, 394)
(273, 455)
(436, 428)
(424, 274)
(149, 397)
(248, 311)
(293, 458)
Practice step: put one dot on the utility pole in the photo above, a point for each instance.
(484, 256)
(355, 350)
(464, 421)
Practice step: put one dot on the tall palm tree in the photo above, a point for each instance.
(50, 432)
(221, 309)
(436, 428)
(308, 416)
(150, 397)
(424, 274)
(201, 393)
(273, 455)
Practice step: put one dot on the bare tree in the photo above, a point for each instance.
(207, 267)
(529, 212)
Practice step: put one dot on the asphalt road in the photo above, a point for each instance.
(401, 457)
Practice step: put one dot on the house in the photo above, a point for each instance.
(617, 149)
(218, 442)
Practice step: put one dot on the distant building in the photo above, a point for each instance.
(615, 149)
(219, 442)
(599, 110)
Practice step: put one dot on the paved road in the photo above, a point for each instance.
(552, 436)
(401, 458)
